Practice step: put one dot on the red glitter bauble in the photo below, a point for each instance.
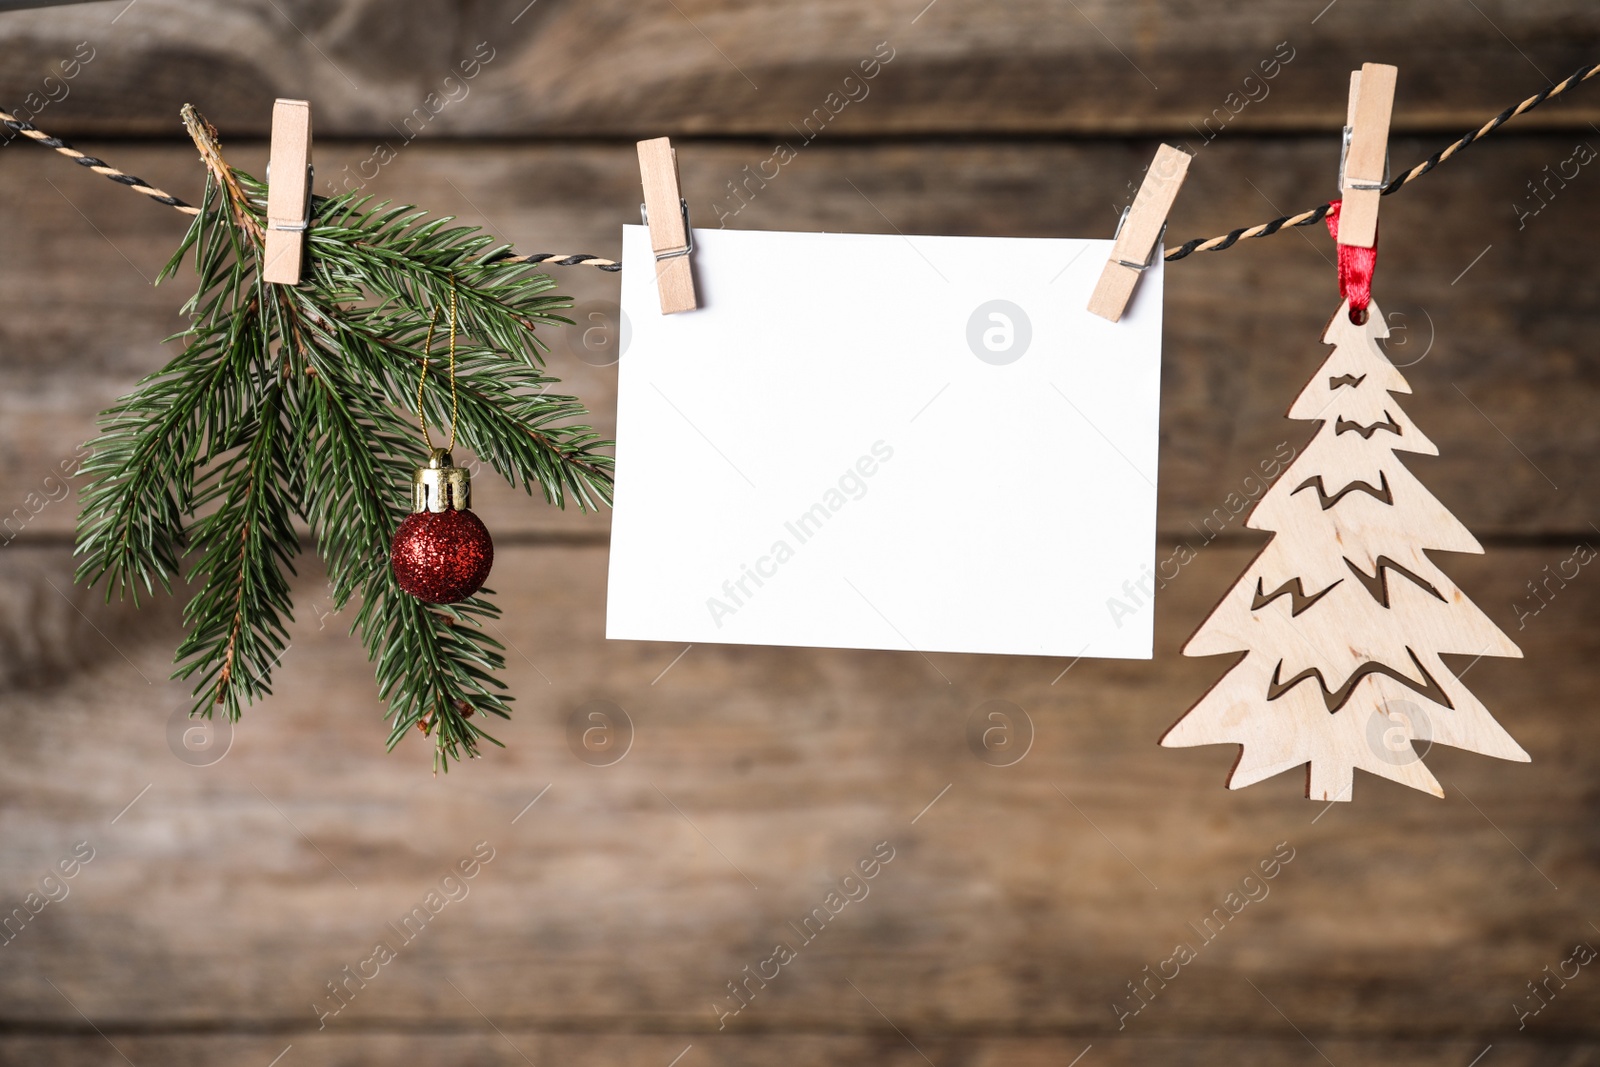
(441, 557)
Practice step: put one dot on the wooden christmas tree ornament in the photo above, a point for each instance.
(1342, 617)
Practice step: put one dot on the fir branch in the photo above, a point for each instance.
(292, 403)
(140, 478)
(236, 632)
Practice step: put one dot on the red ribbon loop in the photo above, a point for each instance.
(1355, 268)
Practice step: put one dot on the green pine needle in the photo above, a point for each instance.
(294, 403)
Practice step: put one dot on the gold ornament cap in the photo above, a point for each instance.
(441, 485)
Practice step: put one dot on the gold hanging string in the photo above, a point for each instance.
(427, 350)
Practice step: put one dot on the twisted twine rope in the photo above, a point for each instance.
(99, 166)
(1318, 213)
(1199, 244)
(139, 185)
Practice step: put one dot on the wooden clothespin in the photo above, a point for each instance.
(1143, 223)
(666, 212)
(288, 192)
(1364, 163)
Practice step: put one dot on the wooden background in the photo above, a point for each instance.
(220, 904)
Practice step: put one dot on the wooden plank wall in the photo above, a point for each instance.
(1020, 900)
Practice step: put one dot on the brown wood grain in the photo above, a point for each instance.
(1496, 322)
(616, 68)
(1019, 901)
(224, 896)
(514, 1047)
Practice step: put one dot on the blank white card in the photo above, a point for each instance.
(889, 442)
